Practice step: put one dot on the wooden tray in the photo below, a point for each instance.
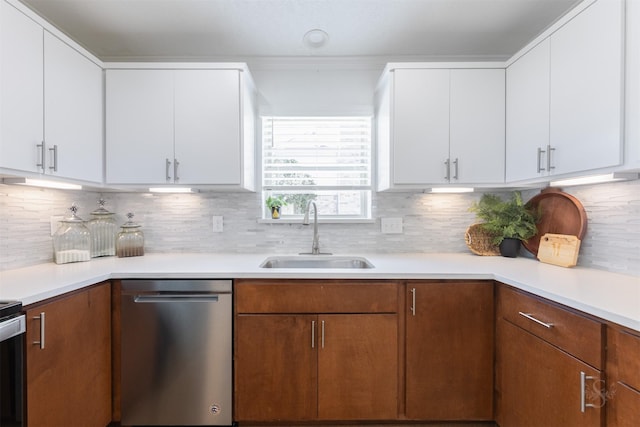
(561, 214)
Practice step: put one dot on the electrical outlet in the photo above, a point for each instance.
(55, 222)
(391, 225)
(217, 224)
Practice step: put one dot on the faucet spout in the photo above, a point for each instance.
(315, 245)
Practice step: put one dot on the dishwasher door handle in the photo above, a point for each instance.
(175, 298)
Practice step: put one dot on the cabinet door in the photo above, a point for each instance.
(540, 385)
(420, 126)
(207, 126)
(275, 368)
(358, 367)
(73, 112)
(449, 351)
(139, 126)
(69, 380)
(21, 109)
(527, 124)
(477, 141)
(586, 89)
(623, 377)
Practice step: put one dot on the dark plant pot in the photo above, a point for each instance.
(510, 247)
(275, 212)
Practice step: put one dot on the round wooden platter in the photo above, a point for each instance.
(561, 213)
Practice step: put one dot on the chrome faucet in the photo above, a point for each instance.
(315, 246)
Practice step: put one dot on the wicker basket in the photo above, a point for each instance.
(479, 241)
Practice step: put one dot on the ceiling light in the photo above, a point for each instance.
(42, 183)
(172, 190)
(315, 38)
(594, 179)
(452, 190)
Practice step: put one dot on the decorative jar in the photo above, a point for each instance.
(72, 240)
(130, 240)
(104, 229)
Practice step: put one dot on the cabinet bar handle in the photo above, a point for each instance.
(583, 393)
(539, 322)
(176, 178)
(447, 163)
(455, 169)
(322, 323)
(41, 342)
(549, 150)
(167, 165)
(42, 150)
(413, 301)
(313, 334)
(55, 158)
(540, 152)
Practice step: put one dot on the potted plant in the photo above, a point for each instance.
(509, 221)
(274, 204)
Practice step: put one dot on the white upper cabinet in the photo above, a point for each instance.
(477, 134)
(207, 126)
(440, 126)
(420, 126)
(179, 126)
(73, 103)
(528, 114)
(632, 86)
(51, 103)
(586, 90)
(565, 98)
(21, 100)
(139, 126)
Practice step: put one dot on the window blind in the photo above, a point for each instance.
(316, 152)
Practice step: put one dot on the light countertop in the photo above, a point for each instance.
(610, 296)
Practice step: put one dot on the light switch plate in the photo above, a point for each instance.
(55, 222)
(391, 225)
(217, 224)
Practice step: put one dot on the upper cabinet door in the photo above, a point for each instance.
(21, 103)
(477, 140)
(586, 90)
(73, 112)
(420, 125)
(528, 114)
(139, 126)
(207, 127)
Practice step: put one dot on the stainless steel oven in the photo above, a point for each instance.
(12, 328)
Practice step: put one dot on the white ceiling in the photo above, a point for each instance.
(237, 30)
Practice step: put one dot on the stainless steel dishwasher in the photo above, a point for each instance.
(176, 352)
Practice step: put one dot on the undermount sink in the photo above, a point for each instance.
(316, 261)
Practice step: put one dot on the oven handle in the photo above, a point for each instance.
(12, 327)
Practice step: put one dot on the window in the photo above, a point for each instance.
(324, 159)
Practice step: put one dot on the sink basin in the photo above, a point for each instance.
(316, 261)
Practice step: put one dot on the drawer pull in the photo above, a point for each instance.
(583, 392)
(413, 301)
(539, 322)
(42, 330)
(313, 334)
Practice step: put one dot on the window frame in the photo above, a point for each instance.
(366, 191)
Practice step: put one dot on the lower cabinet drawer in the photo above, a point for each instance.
(628, 351)
(574, 333)
(316, 296)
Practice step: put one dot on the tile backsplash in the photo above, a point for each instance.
(183, 223)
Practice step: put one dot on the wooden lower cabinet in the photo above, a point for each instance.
(276, 368)
(338, 363)
(68, 379)
(623, 377)
(316, 367)
(540, 385)
(449, 350)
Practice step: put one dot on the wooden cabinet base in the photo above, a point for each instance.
(69, 380)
